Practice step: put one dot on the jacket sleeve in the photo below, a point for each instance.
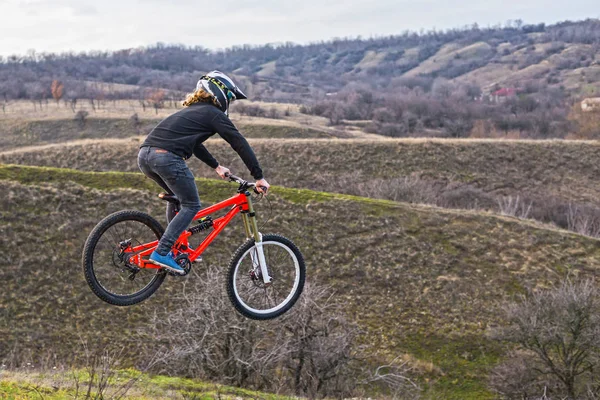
(225, 128)
(203, 154)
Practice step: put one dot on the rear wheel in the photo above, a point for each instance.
(246, 288)
(106, 265)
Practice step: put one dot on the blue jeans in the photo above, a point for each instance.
(172, 174)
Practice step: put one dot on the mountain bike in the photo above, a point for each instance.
(266, 273)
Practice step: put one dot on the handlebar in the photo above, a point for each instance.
(244, 184)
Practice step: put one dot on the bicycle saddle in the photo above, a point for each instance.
(171, 198)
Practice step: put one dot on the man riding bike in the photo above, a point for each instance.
(162, 155)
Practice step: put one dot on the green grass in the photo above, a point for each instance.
(53, 385)
(418, 280)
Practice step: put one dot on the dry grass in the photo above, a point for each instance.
(118, 109)
(451, 53)
(18, 133)
(22, 112)
(564, 170)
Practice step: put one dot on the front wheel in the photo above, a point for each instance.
(246, 288)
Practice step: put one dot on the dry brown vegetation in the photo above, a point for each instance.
(550, 181)
(418, 280)
(288, 115)
(18, 133)
(566, 170)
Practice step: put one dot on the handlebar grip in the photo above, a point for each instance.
(263, 188)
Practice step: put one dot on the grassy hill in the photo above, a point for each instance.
(563, 170)
(420, 281)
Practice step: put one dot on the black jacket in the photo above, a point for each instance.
(184, 132)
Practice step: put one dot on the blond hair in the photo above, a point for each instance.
(199, 96)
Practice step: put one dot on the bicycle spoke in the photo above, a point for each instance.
(282, 268)
(112, 273)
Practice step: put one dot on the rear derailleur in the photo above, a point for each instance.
(121, 259)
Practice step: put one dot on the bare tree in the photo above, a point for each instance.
(582, 221)
(81, 118)
(101, 366)
(559, 331)
(395, 376)
(157, 99)
(57, 90)
(514, 206)
(308, 351)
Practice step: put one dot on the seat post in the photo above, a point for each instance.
(173, 205)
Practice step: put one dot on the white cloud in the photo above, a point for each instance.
(62, 25)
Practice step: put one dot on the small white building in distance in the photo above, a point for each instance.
(591, 104)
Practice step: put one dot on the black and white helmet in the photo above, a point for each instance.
(222, 88)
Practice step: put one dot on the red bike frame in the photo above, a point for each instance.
(239, 203)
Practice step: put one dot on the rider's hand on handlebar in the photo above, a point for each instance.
(222, 171)
(262, 186)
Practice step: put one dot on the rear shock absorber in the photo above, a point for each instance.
(203, 224)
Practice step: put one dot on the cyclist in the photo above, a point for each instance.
(162, 155)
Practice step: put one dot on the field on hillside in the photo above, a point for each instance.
(19, 133)
(419, 281)
(567, 171)
(422, 284)
(24, 122)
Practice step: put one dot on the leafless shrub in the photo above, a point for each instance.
(307, 351)
(517, 377)
(464, 197)
(250, 110)
(80, 118)
(101, 368)
(407, 189)
(414, 189)
(135, 122)
(514, 206)
(94, 375)
(583, 220)
(273, 113)
(395, 376)
(559, 330)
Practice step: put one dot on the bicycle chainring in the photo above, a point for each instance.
(184, 262)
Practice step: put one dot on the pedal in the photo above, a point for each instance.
(184, 262)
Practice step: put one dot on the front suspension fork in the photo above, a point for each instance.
(251, 227)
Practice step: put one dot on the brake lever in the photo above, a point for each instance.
(264, 190)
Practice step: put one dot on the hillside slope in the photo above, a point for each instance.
(568, 171)
(564, 54)
(19, 132)
(418, 280)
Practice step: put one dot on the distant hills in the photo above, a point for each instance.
(565, 54)
(518, 80)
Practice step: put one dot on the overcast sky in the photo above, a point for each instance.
(82, 25)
